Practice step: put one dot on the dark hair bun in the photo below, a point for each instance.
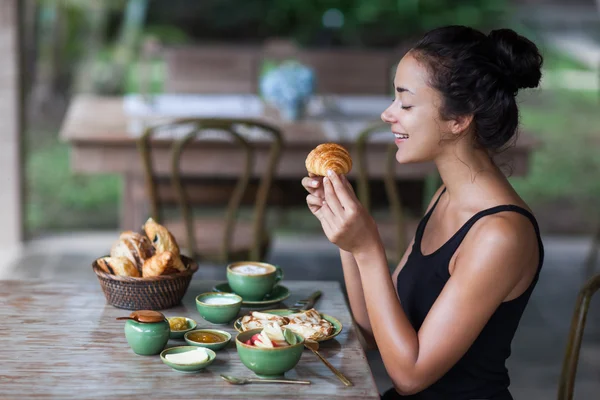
(520, 57)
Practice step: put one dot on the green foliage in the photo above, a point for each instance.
(59, 200)
(566, 165)
(166, 34)
(382, 23)
(377, 22)
(156, 77)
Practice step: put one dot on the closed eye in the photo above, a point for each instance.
(407, 107)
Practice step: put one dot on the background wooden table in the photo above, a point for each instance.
(99, 132)
(61, 340)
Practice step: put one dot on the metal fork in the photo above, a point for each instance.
(307, 303)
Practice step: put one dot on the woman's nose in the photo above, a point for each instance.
(387, 116)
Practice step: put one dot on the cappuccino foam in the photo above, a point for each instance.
(250, 269)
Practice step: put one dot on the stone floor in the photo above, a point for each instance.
(537, 349)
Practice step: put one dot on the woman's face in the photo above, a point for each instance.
(414, 114)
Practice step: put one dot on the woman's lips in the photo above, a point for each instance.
(400, 137)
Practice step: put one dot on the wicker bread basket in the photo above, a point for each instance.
(155, 293)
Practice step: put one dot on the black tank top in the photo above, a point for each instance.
(481, 373)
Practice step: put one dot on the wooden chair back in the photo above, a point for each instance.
(198, 132)
(363, 191)
(566, 384)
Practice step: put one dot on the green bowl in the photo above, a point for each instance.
(189, 368)
(218, 313)
(268, 363)
(179, 334)
(213, 346)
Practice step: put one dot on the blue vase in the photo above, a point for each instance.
(293, 110)
(288, 88)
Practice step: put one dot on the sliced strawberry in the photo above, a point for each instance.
(255, 337)
(249, 342)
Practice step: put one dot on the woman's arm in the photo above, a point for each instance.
(354, 285)
(314, 185)
(352, 278)
(356, 298)
(491, 263)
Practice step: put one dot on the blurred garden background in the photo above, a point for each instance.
(75, 46)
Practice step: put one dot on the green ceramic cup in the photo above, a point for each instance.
(253, 280)
(147, 339)
(268, 363)
(209, 308)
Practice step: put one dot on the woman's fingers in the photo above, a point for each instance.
(313, 200)
(312, 183)
(347, 183)
(345, 195)
(327, 219)
(332, 199)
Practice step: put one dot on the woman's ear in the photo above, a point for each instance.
(460, 124)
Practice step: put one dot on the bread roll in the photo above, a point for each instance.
(133, 246)
(118, 266)
(163, 241)
(328, 156)
(160, 264)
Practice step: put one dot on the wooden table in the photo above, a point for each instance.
(61, 340)
(97, 130)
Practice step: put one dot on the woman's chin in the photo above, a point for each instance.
(404, 158)
(407, 157)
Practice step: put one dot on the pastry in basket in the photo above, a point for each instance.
(163, 241)
(160, 264)
(133, 246)
(308, 324)
(328, 156)
(121, 266)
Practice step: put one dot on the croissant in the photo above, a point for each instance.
(163, 241)
(133, 246)
(118, 266)
(160, 264)
(328, 156)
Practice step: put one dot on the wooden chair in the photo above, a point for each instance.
(569, 368)
(217, 239)
(217, 69)
(394, 233)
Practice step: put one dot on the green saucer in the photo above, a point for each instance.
(279, 294)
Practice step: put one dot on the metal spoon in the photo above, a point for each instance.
(314, 347)
(243, 381)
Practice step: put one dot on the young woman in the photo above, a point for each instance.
(447, 315)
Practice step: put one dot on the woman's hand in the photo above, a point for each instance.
(345, 221)
(314, 185)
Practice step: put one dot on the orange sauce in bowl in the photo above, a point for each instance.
(206, 337)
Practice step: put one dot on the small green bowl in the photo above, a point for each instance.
(187, 368)
(268, 363)
(179, 334)
(218, 313)
(213, 346)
